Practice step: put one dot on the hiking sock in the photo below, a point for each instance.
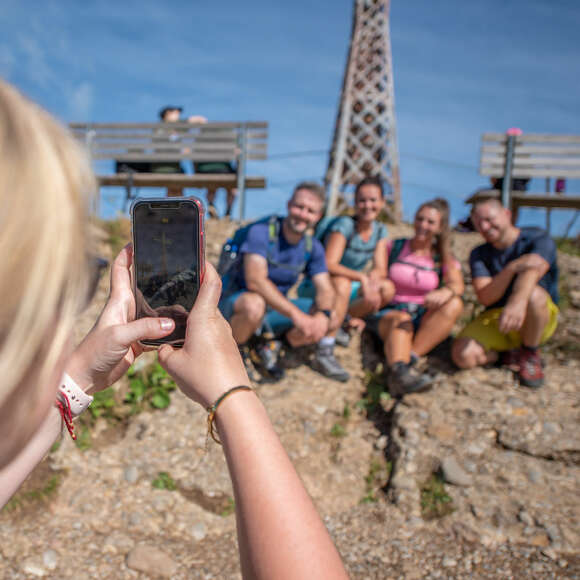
(327, 341)
(530, 348)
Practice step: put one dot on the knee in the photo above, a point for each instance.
(387, 287)
(454, 307)
(394, 319)
(252, 306)
(467, 353)
(538, 302)
(342, 286)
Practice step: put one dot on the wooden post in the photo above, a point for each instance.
(548, 210)
(89, 137)
(241, 169)
(507, 173)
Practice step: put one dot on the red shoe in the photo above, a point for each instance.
(531, 373)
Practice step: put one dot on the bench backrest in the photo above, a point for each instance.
(535, 155)
(200, 142)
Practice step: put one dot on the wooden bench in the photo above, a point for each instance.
(512, 156)
(155, 143)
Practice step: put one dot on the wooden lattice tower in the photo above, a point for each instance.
(365, 135)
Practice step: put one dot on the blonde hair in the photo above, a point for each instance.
(442, 241)
(45, 182)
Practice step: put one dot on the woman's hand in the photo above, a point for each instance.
(436, 298)
(370, 291)
(209, 362)
(110, 348)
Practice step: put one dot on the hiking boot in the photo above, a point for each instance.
(265, 358)
(250, 370)
(531, 373)
(342, 337)
(326, 364)
(404, 380)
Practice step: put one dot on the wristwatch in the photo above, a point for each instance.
(327, 313)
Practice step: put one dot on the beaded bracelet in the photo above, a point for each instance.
(211, 411)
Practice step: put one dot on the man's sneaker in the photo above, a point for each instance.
(531, 373)
(342, 337)
(265, 358)
(245, 354)
(326, 364)
(404, 380)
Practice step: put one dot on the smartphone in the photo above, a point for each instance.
(168, 260)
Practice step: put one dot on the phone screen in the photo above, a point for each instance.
(167, 256)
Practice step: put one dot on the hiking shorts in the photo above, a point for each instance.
(273, 320)
(416, 311)
(485, 330)
(307, 290)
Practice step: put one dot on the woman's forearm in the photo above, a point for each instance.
(280, 532)
(13, 475)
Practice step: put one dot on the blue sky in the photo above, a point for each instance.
(460, 69)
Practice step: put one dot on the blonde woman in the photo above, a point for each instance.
(45, 276)
(427, 300)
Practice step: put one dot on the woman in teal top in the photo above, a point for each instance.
(352, 243)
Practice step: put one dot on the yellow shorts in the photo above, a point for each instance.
(484, 329)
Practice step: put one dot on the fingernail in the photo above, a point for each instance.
(165, 323)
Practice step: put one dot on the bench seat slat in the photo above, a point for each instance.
(157, 156)
(523, 160)
(177, 179)
(179, 125)
(497, 171)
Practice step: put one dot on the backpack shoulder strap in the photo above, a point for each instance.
(396, 250)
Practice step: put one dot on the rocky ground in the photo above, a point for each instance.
(478, 478)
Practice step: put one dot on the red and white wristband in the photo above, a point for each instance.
(71, 401)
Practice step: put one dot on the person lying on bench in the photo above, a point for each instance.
(515, 276)
(273, 255)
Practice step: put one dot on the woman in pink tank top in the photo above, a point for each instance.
(427, 302)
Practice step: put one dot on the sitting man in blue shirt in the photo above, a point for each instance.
(515, 276)
(255, 295)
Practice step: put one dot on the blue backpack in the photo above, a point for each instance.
(230, 261)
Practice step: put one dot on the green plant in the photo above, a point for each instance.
(375, 393)
(346, 412)
(435, 501)
(376, 478)
(164, 481)
(103, 404)
(568, 246)
(83, 440)
(35, 495)
(148, 388)
(151, 387)
(337, 431)
(229, 509)
(118, 232)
